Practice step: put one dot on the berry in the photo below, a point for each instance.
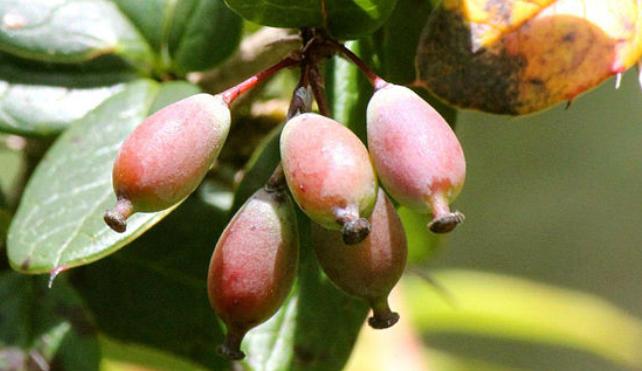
(329, 173)
(371, 268)
(253, 266)
(417, 155)
(167, 156)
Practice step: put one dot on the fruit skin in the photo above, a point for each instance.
(329, 173)
(418, 157)
(166, 157)
(371, 268)
(253, 265)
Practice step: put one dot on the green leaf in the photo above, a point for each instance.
(348, 90)
(345, 18)
(296, 338)
(258, 168)
(187, 35)
(513, 308)
(154, 292)
(118, 356)
(70, 31)
(59, 222)
(39, 100)
(422, 244)
(40, 325)
(210, 35)
(398, 39)
(397, 42)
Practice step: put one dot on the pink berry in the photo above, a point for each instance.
(417, 155)
(253, 266)
(167, 156)
(329, 173)
(371, 268)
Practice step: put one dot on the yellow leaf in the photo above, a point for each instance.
(517, 57)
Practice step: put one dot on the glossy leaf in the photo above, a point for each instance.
(70, 31)
(516, 57)
(154, 292)
(182, 32)
(296, 338)
(59, 222)
(40, 100)
(42, 327)
(343, 18)
(211, 34)
(512, 308)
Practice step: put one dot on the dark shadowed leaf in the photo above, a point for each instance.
(59, 222)
(343, 18)
(154, 292)
(41, 327)
(69, 31)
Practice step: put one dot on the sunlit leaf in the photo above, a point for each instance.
(59, 222)
(120, 356)
(512, 308)
(517, 57)
(69, 31)
(40, 100)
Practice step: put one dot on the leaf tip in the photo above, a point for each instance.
(54, 273)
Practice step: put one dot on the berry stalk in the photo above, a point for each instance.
(230, 95)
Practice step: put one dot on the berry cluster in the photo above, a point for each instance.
(331, 175)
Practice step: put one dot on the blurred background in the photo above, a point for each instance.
(552, 199)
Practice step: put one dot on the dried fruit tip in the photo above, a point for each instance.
(443, 220)
(446, 223)
(116, 218)
(231, 348)
(355, 231)
(382, 316)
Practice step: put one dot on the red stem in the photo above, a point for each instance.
(230, 95)
(376, 81)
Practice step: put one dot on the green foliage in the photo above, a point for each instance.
(70, 32)
(40, 325)
(82, 74)
(182, 32)
(59, 221)
(344, 18)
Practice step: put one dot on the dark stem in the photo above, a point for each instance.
(230, 95)
(318, 89)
